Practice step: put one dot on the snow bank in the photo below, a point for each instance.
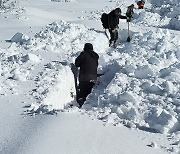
(150, 19)
(143, 91)
(16, 66)
(11, 7)
(67, 38)
(163, 121)
(139, 78)
(55, 85)
(162, 13)
(55, 88)
(19, 38)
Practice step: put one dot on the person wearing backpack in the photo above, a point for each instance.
(87, 61)
(112, 24)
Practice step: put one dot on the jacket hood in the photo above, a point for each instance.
(88, 46)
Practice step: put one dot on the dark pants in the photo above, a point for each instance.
(84, 90)
(114, 35)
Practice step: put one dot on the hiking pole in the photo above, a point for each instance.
(128, 39)
(129, 14)
(106, 34)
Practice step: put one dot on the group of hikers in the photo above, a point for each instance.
(87, 61)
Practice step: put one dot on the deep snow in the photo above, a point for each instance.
(139, 88)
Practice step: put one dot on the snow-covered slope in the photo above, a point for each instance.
(139, 88)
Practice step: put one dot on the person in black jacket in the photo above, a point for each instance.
(113, 22)
(88, 63)
(129, 12)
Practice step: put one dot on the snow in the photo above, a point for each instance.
(19, 38)
(133, 108)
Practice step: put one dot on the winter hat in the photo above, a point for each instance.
(88, 46)
(118, 10)
(132, 5)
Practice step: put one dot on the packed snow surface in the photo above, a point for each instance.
(140, 87)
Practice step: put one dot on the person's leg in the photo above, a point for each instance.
(88, 89)
(115, 36)
(79, 96)
(112, 36)
(85, 90)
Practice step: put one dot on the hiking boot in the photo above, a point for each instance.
(114, 44)
(80, 101)
(110, 43)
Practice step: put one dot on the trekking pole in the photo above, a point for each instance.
(128, 39)
(106, 34)
(129, 14)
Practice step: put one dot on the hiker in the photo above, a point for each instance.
(113, 22)
(88, 63)
(140, 4)
(129, 12)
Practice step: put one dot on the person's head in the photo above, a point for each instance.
(117, 11)
(132, 5)
(88, 46)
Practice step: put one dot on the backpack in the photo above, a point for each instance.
(104, 20)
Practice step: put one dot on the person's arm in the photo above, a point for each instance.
(79, 60)
(122, 17)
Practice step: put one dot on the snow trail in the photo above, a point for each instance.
(140, 85)
(129, 90)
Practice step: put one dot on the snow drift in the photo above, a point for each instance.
(140, 87)
(141, 78)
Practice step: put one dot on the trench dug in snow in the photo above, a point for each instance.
(140, 87)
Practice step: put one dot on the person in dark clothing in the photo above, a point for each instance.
(130, 12)
(140, 4)
(88, 63)
(113, 22)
